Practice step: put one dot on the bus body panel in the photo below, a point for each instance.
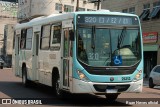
(88, 87)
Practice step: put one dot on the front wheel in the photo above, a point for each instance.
(56, 86)
(111, 97)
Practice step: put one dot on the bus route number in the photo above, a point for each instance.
(93, 56)
(90, 19)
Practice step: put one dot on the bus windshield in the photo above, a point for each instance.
(98, 46)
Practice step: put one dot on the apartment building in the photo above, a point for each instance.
(149, 13)
(29, 9)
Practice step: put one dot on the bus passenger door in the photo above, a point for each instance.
(17, 72)
(66, 65)
(65, 58)
(35, 55)
(35, 49)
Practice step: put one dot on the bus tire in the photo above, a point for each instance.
(151, 85)
(56, 86)
(25, 81)
(111, 97)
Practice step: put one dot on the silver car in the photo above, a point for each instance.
(154, 78)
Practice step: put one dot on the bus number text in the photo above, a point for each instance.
(90, 19)
(93, 56)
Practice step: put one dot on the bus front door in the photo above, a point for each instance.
(66, 59)
(16, 63)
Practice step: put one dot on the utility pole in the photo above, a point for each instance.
(98, 4)
(77, 7)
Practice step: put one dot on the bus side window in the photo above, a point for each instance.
(56, 37)
(23, 39)
(45, 37)
(14, 39)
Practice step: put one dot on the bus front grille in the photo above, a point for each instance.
(102, 88)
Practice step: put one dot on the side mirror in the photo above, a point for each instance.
(71, 35)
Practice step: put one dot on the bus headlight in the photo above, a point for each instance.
(82, 76)
(138, 75)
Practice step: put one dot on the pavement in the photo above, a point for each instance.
(145, 81)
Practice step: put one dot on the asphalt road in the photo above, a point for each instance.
(11, 87)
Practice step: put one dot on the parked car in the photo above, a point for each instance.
(154, 78)
(1, 63)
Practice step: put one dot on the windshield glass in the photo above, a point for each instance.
(108, 46)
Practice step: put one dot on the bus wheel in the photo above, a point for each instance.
(151, 85)
(25, 81)
(59, 92)
(111, 97)
(56, 85)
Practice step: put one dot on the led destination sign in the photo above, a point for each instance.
(107, 19)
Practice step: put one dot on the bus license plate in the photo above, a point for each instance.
(111, 90)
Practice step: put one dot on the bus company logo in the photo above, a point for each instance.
(6, 101)
(111, 78)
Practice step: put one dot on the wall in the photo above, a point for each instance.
(29, 9)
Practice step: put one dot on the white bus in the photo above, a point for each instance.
(98, 52)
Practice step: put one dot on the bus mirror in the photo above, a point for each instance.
(71, 33)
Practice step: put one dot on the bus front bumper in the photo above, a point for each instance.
(80, 86)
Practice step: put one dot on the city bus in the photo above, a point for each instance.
(93, 52)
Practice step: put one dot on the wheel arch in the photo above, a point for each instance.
(23, 65)
(55, 73)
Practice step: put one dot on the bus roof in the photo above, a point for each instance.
(58, 17)
(106, 12)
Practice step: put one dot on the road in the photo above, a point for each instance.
(11, 87)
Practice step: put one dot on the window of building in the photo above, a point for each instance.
(132, 10)
(81, 9)
(45, 37)
(146, 11)
(29, 38)
(23, 39)
(58, 7)
(68, 8)
(125, 11)
(155, 11)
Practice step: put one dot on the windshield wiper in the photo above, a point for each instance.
(93, 39)
(121, 38)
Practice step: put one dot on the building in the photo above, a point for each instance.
(8, 15)
(8, 44)
(149, 13)
(29, 9)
